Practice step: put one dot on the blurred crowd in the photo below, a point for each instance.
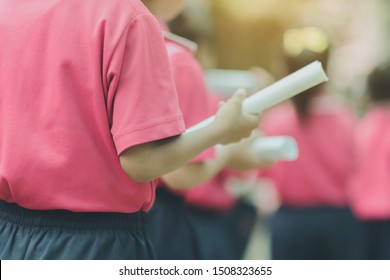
(333, 201)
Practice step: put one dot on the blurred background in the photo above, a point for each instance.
(240, 44)
(246, 34)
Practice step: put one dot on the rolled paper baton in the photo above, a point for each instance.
(276, 148)
(291, 85)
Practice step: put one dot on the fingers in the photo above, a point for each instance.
(255, 133)
(238, 96)
(236, 100)
(220, 104)
(241, 93)
(253, 120)
(236, 123)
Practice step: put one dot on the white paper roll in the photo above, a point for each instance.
(291, 85)
(276, 148)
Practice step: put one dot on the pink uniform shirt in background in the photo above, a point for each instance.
(196, 104)
(190, 86)
(81, 82)
(320, 174)
(213, 194)
(370, 185)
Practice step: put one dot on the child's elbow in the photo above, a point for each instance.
(141, 178)
(137, 172)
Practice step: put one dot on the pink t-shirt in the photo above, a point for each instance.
(370, 185)
(81, 81)
(190, 86)
(320, 174)
(213, 194)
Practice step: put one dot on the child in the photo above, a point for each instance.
(223, 222)
(89, 119)
(314, 220)
(370, 186)
(170, 218)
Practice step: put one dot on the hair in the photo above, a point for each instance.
(193, 23)
(196, 24)
(378, 83)
(301, 47)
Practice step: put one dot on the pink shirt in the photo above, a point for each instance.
(190, 85)
(81, 81)
(213, 194)
(370, 186)
(319, 176)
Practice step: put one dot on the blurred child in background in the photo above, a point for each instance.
(314, 220)
(370, 185)
(174, 233)
(222, 220)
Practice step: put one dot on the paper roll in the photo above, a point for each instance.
(276, 148)
(291, 85)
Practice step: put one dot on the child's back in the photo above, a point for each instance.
(370, 185)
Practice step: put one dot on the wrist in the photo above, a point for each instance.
(217, 131)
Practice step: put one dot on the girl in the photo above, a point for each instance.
(170, 217)
(370, 186)
(314, 220)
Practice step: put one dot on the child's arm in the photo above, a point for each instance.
(151, 160)
(193, 174)
(238, 156)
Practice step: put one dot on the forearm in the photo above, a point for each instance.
(148, 161)
(193, 174)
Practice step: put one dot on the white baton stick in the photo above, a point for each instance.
(291, 85)
(275, 148)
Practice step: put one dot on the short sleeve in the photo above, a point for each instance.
(194, 98)
(142, 103)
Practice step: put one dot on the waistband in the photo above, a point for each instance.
(13, 213)
(314, 208)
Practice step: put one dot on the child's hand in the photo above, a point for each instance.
(239, 155)
(233, 123)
